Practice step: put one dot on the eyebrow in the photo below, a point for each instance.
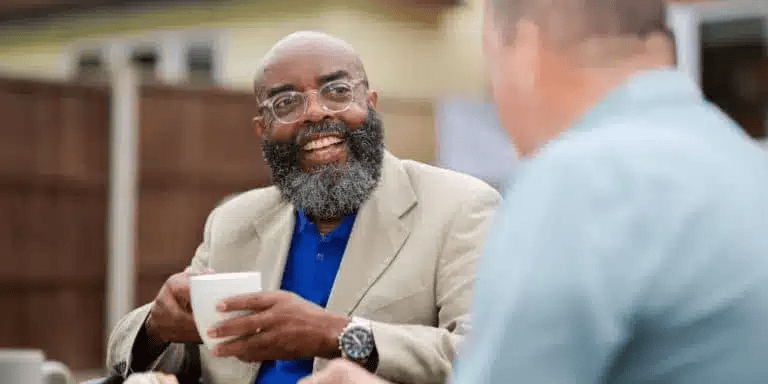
(279, 89)
(321, 80)
(332, 77)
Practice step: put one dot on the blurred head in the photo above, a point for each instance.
(322, 136)
(551, 61)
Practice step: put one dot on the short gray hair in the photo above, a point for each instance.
(589, 17)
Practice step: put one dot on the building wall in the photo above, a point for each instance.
(414, 55)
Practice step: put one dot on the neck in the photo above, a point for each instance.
(325, 226)
(570, 93)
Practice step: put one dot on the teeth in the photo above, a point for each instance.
(322, 143)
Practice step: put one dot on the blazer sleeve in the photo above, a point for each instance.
(423, 354)
(123, 337)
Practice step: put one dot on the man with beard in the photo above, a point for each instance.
(363, 255)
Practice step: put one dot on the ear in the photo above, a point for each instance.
(258, 126)
(373, 98)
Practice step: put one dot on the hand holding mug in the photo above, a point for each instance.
(170, 317)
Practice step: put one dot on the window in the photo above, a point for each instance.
(173, 57)
(145, 61)
(91, 68)
(200, 64)
(733, 60)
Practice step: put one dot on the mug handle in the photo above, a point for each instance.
(55, 372)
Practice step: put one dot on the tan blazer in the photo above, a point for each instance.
(409, 267)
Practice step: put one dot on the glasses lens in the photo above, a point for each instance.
(288, 106)
(337, 96)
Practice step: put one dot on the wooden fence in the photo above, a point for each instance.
(53, 178)
(197, 147)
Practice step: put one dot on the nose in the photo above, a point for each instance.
(315, 112)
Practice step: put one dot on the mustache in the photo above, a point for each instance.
(329, 191)
(310, 129)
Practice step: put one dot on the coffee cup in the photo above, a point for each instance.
(28, 366)
(208, 290)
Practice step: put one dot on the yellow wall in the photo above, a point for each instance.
(410, 54)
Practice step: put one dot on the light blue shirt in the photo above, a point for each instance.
(633, 249)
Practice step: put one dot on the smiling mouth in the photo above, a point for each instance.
(322, 143)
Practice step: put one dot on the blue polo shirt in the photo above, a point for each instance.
(310, 270)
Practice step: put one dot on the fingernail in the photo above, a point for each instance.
(215, 351)
(221, 307)
(212, 332)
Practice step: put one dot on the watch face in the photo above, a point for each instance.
(357, 343)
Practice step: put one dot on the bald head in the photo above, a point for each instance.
(305, 43)
(575, 20)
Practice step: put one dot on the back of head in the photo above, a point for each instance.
(585, 25)
(553, 60)
(569, 20)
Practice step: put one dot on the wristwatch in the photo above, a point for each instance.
(356, 341)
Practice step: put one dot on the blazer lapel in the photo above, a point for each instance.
(266, 252)
(377, 236)
(274, 233)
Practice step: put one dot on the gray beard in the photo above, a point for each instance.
(330, 191)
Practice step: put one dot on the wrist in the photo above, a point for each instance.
(336, 325)
(357, 343)
(146, 348)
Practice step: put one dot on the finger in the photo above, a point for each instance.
(180, 291)
(187, 318)
(169, 321)
(252, 301)
(339, 367)
(243, 325)
(174, 310)
(183, 324)
(204, 271)
(343, 370)
(332, 374)
(248, 347)
(166, 305)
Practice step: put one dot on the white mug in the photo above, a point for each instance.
(28, 366)
(207, 290)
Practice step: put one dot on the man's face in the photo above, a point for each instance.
(327, 161)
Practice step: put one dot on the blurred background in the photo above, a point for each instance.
(123, 124)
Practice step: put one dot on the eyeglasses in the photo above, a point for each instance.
(288, 107)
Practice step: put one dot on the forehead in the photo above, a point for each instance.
(307, 66)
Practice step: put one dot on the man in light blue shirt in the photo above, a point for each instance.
(632, 249)
(633, 245)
